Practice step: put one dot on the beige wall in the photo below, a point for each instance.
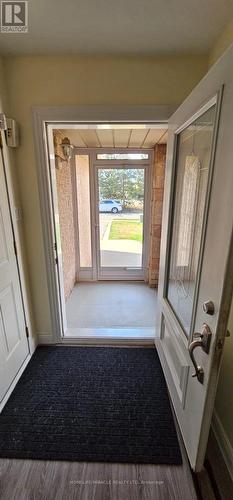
(3, 96)
(12, 180)
(43, 81)
(222, 43)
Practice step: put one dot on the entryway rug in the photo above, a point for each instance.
(91, 404)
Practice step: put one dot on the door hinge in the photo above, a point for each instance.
(27, 331)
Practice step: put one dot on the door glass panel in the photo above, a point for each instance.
(191, 184)
(121, 207)
(84, 212)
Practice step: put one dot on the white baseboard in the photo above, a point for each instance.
(33, 342)
(223, 442)
(45, 338)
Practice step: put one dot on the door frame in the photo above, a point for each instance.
(134, 274)
(123, 274)
(92, 273)
(71, 116)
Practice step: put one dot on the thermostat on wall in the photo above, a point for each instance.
(12, 133)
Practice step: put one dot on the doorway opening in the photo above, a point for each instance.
(107, 192)
(191, 396)
(121, 238)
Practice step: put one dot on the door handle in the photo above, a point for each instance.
(202, 340)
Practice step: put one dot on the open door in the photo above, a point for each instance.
(195, 282)
(14, 347)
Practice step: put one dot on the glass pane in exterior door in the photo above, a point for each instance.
(194, 146)
(121, 207)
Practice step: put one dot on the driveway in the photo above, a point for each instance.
(121, 253)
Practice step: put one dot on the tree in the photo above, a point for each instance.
(124, 184)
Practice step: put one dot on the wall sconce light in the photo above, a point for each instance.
(67, 148)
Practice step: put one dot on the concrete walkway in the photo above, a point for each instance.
(121, 253)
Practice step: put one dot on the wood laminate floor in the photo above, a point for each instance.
(46, 480)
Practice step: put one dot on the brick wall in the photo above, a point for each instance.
(66, 219)
(156, 212)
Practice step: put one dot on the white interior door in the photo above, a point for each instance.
(196, 260)
(13, 341)
(196, 253)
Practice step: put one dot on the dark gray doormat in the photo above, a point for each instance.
(91, 404)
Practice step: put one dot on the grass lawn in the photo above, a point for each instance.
(126, 229)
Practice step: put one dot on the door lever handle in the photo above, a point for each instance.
(201, 340)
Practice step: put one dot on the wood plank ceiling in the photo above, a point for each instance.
(116, 137)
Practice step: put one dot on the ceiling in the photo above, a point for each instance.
(119, 27)
(117, 138)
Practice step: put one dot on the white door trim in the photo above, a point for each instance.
(42, 117)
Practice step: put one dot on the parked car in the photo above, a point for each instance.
(110, 206)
